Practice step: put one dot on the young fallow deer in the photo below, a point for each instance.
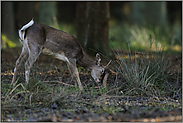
(36, 38)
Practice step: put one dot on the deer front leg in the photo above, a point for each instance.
(74, 72)
(18, 64)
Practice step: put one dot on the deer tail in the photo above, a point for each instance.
(21, 32)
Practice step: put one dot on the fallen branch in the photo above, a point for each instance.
(60, 83)
(113, 72)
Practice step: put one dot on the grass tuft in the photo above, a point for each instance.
(144, 73)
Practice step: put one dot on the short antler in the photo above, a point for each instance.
(108, 64)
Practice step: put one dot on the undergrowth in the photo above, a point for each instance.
(145, 74)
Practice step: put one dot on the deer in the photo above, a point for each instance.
(36, 38)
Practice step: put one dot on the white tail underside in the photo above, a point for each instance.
(21, 34)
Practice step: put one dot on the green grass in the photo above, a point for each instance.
(145, 75)
(147, 38)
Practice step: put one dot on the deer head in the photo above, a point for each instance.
(98, 70)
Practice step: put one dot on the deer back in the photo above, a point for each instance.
(54, 41)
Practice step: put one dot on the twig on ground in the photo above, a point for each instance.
(113, 72)
(60, 83)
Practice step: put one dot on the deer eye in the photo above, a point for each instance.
(102, 71)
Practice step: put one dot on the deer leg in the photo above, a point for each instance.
(18, 63)
(74, 72)
(33, 55)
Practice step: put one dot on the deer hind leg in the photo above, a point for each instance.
(22, 56)
(34, 52)
(74, 72)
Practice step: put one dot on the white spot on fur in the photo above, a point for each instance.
(26, 72)
(47, 51)
(60, 56)
(27, 76)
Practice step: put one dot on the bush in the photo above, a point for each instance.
(5, 42)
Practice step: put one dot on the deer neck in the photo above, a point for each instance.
(87, 62)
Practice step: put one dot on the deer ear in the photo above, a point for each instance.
(98, 59)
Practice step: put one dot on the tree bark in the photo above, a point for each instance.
(93, 26)
(8, 25)
(47, 11)
(153, 13)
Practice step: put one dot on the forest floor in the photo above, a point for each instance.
(50, 96)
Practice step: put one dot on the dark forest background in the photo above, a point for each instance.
(143, 41)
(90, 21)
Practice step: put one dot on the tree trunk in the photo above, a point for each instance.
(47, 12)
(154, 13)
(93, 26)
(137, 15)
(8, 25)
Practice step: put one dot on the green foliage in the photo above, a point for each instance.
(149, 38)
(81, 69)
(5, 42)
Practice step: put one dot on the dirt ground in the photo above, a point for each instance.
(49, 69)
